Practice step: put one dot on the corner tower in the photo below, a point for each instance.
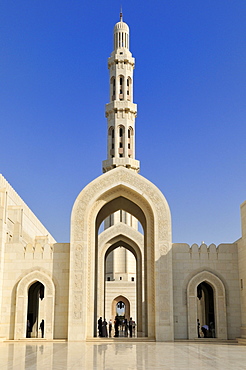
(121, 111)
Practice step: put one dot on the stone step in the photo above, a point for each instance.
(241, 341)
(208, 340)
(120, 339)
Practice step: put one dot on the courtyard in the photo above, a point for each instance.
(119, 355)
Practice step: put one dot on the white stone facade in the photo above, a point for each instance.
(165, 287)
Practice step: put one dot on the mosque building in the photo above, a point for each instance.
(120, 259)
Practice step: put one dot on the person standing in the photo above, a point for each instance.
(99, 323)
(41, 327)
(131, 322)
(104, 329)
(110, 324)
(198, 329)
(28, 330)
(116, 327)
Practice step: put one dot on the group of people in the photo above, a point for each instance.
(29, 328)
(207, 331)
(120, 326)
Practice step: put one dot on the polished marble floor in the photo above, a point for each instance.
(119, 356)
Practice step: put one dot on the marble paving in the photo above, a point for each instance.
(119, 356)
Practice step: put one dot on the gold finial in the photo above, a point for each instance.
(121, 14)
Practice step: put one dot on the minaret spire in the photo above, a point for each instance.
(121, 111)
(121, 14)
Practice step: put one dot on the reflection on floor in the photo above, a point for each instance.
(112, 356)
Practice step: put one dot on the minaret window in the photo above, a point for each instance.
(130, 142)
(121, 145)
(121, 132)
(129, 87)
(121, 90)
(112, 88)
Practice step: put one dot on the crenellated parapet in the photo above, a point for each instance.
(204, 251)
(40, 250)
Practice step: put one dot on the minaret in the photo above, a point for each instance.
(121, 111)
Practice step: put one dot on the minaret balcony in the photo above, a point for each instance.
(124, 56)
(125, 105)
(129, 163)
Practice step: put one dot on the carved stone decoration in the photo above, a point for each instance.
(22, 303)
(219, 303)
(119, 183)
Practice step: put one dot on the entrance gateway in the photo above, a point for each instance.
(106, 195)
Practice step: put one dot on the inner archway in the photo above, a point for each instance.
(35, 309)
(121, 241)
(205, 309)
(121, 280)
(121, 307)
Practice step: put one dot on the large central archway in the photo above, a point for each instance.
(120, 189)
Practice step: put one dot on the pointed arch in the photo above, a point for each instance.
(129, 238)
(118, 189)
(219, 303)
(126, 302)
(112, 88)
(22, 302)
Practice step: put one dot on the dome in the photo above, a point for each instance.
(121, 26)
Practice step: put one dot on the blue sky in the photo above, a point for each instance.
(189, 84)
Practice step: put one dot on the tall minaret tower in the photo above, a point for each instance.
(121, 111)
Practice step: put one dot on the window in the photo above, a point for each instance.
(108, 278)
(121, 132)
(132, 278)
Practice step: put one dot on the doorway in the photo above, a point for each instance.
(205, 309)
(35, 309)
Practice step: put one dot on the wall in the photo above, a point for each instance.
(51, 259)
(25, 246)
(221, 261)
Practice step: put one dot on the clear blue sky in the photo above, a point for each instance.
(189, 84)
